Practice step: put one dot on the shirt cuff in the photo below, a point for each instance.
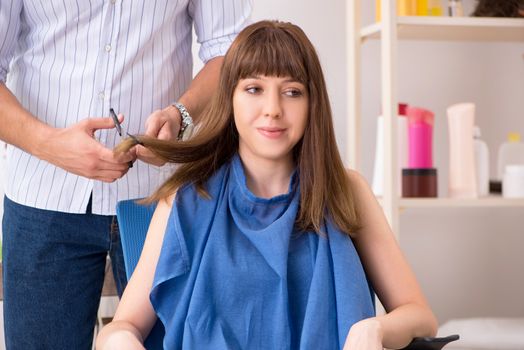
(215, 47)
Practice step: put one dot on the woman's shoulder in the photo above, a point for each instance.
(356, 179)
(360, 189)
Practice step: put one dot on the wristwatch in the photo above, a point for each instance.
(186, 123)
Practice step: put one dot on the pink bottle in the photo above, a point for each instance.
(420, 136)
(420, 178)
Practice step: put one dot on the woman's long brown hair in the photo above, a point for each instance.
(268, 48)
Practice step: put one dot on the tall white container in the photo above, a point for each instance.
(462, 175)
(402, 154)
(481, 163)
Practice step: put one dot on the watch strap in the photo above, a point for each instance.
(185, 120)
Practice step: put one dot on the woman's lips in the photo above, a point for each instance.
(271, 132)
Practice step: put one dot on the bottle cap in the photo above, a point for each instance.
(419, 115)
(402, 108)
(513, 137)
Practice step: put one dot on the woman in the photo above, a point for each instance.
(261, 239)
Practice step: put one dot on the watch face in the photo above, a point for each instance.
(188, 131)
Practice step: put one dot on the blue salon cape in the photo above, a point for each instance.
(234, 273)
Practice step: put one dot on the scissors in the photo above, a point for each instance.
(118, 127)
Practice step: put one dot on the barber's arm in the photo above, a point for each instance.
(214, 31)
(165, 124)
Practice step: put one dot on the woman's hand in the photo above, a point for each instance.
(365, 335)
(120, 340)
(119, 335)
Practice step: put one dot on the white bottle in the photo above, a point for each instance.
(510, 153)
(462, 176)
(481, 163)
(455, 8)
(513, 182)
(402, 147)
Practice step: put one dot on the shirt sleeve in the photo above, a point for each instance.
(10, 11)
(217, 23)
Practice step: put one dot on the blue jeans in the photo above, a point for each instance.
(53, 272)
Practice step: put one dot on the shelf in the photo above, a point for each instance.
(453, 29)
(483, 202)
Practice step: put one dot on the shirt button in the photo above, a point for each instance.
(101, 95)
(113, 1)
(108, 48)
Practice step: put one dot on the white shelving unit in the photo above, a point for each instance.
(391, 29)
(452, 29)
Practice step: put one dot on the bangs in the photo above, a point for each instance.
(270, 52)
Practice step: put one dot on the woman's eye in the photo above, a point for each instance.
(253, 89)
(293, 93)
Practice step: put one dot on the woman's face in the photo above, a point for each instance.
(270, 115)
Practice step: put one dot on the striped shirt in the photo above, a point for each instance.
(67, 60)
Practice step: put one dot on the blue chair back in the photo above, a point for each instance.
(133, 222)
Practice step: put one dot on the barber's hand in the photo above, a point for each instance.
(162, 124)
(364, 335)
(76, 150)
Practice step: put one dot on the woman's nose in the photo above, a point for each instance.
(272, 106)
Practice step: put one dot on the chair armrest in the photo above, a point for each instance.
(428, 343)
